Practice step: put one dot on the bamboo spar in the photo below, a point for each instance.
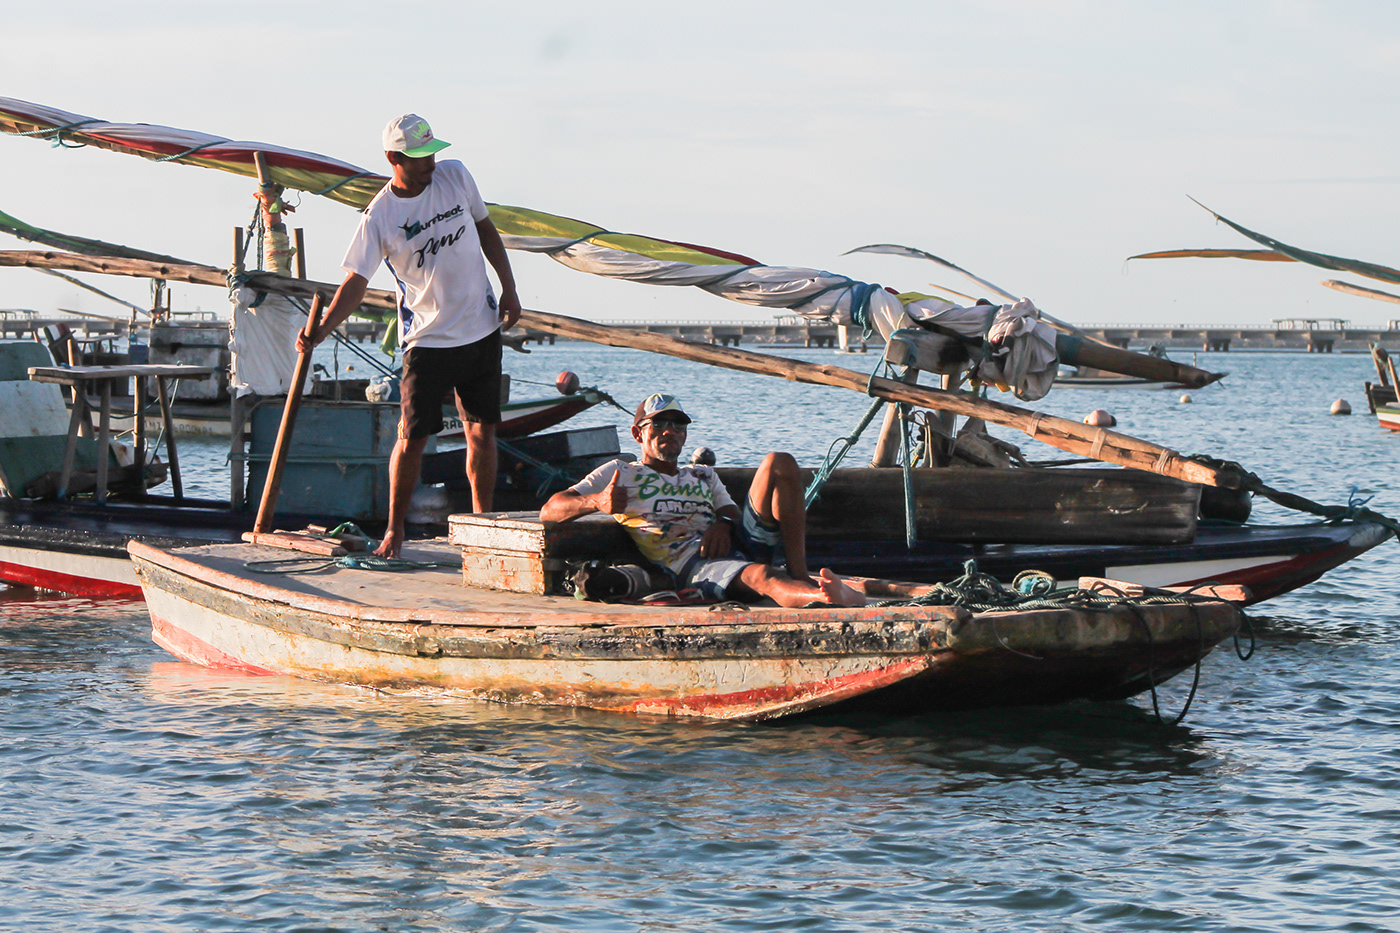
(1081, 440)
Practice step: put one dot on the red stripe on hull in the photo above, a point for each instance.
(529, 424)
(783, 699)
(1269, 580)
(188, 648)
(22, 575)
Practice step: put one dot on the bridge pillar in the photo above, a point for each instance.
(1217, 344)
(1317, 344)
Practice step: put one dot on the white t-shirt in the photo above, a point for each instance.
(431, 246)
(666, 515)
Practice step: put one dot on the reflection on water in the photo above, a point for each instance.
(141, 793)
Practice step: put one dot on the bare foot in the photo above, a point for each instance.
(837, 591)
(391, 545)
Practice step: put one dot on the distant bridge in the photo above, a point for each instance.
(1325, 335)
(1315, 336)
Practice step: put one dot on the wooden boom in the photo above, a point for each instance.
(1081, 440)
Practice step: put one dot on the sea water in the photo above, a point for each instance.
(142, 793)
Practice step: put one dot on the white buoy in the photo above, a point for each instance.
(1341, 407)
(1098, 418)
(1186, 400)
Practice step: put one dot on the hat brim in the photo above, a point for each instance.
(671, 415)
(426, 149)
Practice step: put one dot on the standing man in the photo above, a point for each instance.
(431, 228)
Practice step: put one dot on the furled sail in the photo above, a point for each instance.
(585, 247)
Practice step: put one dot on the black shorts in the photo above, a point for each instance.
(431, 374)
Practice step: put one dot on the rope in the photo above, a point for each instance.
(344, 181)
(1034, 589)
(297, 565)
(834, 455)
(192, 150)
(910, 531)
(1354, 510)
(57, 133)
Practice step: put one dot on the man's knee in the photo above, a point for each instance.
(783, 464)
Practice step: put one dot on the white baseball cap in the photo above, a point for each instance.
(411, 135)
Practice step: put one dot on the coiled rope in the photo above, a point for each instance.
(1034, 589)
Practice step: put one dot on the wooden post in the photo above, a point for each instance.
(263, 525)
(238, 249)
(300, 237)
(236, 444)
(104, 441)
(138, 406)
(887, 447)
(170, 452)
(264, 173)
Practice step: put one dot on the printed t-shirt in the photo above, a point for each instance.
(430, 244)
(666, 515)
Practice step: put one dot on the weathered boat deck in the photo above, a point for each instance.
(425, 629)
(436, 595)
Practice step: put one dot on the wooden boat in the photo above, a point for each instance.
(1380, 395)
(1089, 377)
(428, 630)
(1075, 378)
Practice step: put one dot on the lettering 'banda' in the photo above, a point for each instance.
(650, 485)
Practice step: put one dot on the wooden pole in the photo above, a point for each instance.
(264, 173)
(263, 525)
(1071, 436)
(299, 238)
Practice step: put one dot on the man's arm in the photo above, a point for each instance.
(718, 540)
(347, 300)
(568, 505)
(495, 252)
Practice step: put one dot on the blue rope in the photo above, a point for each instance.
(192, 150)
(344, 181)
(860, 307)
(57, 133)
(835, 456)
(910, 532)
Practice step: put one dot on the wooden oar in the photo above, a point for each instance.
(263, 525)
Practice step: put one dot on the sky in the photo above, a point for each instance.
(1035, 144)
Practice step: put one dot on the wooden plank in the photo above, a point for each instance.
(514, 573)
(74, 375)
(295, 542)
(999, 506)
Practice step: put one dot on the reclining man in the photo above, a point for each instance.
(683, 519)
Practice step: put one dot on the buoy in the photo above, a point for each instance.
(703, 456)
(1099, 418)
(1186, 400)
(1341, 407)
(566, 382)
